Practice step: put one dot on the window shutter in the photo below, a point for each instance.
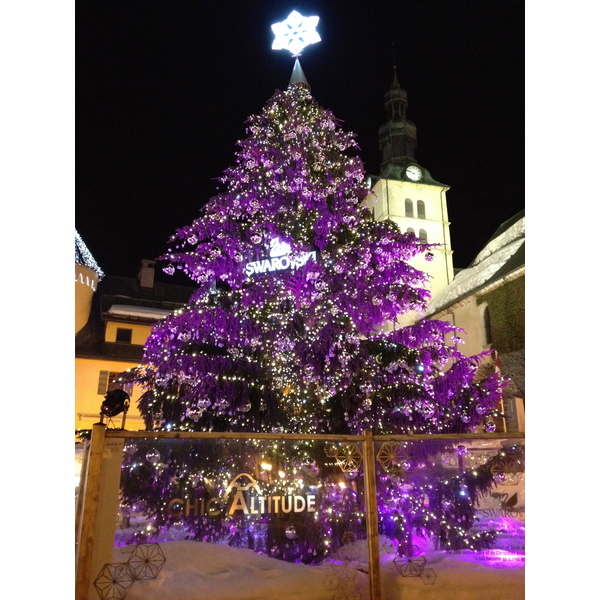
(102, 383)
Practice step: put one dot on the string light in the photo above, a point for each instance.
(84, 257)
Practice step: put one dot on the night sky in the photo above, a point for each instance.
(163, 89)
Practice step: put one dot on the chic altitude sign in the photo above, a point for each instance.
(295, 33)
(279, 259)
(243, 501)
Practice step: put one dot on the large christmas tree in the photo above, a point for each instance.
(291, 330)
(296, 283)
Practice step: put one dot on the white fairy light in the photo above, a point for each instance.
(295, 33)
(84, 257)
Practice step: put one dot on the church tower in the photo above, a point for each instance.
(406, 193)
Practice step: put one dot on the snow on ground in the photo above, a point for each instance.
(202, 571)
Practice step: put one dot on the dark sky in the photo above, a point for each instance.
(163, 89)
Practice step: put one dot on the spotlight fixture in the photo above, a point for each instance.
(115, 402)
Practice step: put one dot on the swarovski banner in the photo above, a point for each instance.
(279, 260)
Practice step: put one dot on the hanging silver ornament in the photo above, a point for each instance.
(184, 336)
(194, 413)
(153, 456)
(195, 479)
(427, 410)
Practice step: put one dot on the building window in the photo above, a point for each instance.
(109, 381)
(420, 209)
(408, 208)
(124, 335)
(423, 236)
(410, 230)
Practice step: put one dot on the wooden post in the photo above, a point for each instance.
(81, 493)
(372, 520)
(87, 527)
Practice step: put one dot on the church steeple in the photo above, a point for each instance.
(398, 136)
(396, 99)
(406, 194)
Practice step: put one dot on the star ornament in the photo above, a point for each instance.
(295, 33)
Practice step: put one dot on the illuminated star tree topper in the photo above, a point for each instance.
(295, 33)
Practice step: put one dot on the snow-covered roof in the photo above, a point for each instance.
(144, 312)
(503, 254)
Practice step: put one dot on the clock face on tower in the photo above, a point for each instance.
(414, 173)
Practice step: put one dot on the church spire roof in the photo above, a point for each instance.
(398, 135)
(395, 82)
(398, 138)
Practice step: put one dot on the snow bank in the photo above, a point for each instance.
(202, 571)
